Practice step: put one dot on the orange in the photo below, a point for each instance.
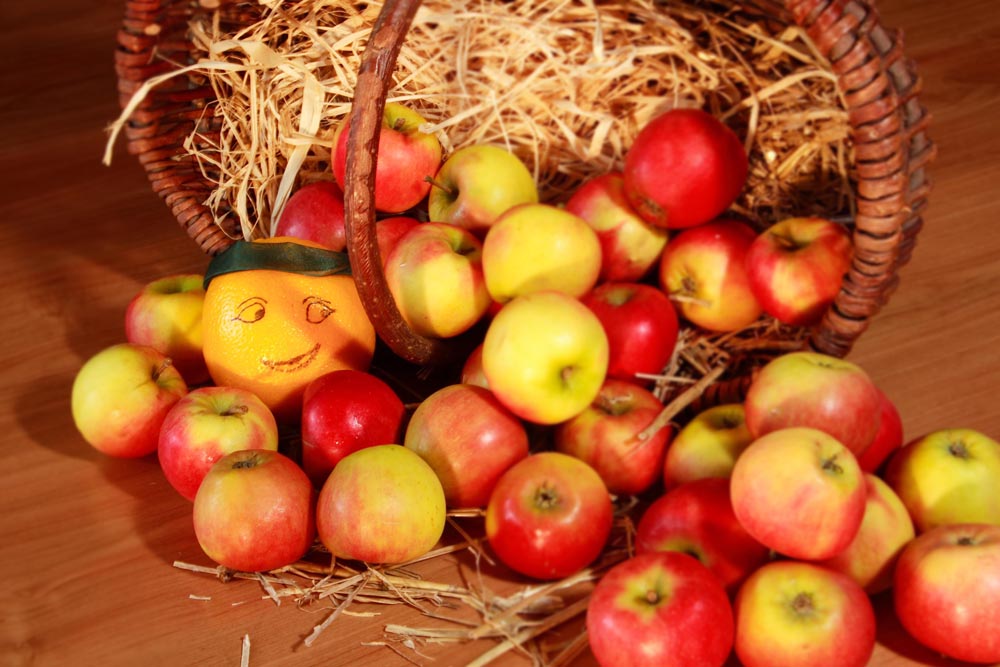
(272, 331)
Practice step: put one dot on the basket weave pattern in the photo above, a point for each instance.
(880, 88)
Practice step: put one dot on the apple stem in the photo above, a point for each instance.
(959, 450)
(235, 410)
(786, 242)
(831, 465)
(966, 541)
(161, 369)
(399, 124)
(441, 186)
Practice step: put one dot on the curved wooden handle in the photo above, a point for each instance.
(374, 79)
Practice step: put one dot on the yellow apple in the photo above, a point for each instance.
(948, 476)
(707, 446)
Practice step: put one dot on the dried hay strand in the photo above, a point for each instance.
(564, 84)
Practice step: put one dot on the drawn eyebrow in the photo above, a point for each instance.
(252, 298)
(315, 298)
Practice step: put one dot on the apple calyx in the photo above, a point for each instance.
(966, 541)
(803, 604)
(959, 450)
(252, 460)
(615, 406)
(546, 497)
(235, 411)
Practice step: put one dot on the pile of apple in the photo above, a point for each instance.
(763, 527)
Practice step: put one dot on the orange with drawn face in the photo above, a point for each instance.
(272, 332)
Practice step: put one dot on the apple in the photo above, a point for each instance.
(796, 267)
(703, 271)
(818, 391)
(435, 274)
(630, 246)
(535, 247)
(476, 184)
(606, 436)
(947, 591)
(472, 369)
(684, 168)
(381, 504)
(207, 424)
(469, 439)
(697, 518)
(545, 356)
(166, 315)
(707, 445)
(888, 438)
(121, 396)
(792, 614)
(660, 609)
(344, 411)
(549, 516)
(407, 158)
(641, 325)
(255, 511)
(948, 476)
(885, 529)
(389, 230)
(800, 492)
(315, 212)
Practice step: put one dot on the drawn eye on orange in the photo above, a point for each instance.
(317, 309)
(251, 310)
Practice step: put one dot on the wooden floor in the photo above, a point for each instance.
(87, 542)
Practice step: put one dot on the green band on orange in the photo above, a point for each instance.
(284, 256)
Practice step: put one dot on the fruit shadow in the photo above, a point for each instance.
(892, 636)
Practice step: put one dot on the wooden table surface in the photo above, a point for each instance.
(88, 542)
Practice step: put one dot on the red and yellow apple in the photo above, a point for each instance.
(207, 424)
(389, 230)
(121, 396)
(707, 445)
(314, 212)
(255, 511)
(888, 438)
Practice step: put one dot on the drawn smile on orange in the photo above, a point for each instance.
(295, 363)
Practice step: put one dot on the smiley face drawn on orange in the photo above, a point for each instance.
(272, 332)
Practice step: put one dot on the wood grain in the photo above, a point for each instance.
(89, 541)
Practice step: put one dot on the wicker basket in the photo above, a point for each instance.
(879, 85)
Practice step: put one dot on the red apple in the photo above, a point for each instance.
(707, 446)
(885, 529)
(888, 438)
(381, 504)
(684, 168)
(796, 267)
(469, 439)
(315, 212)
(207, 424)
(630, 246)
(389, 230)
(799, 492)
(606, 435)
(697, 518)
(660, 609)
(947, 591)
(703, 271)
(342, 412)
(121, 396)
(795, 614)
(407, 157)
(641, 325)
(549, 516)
(818, 391)
(255, 511)
(472, 369)
(166, 315)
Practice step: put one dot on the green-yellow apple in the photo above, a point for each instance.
(315, 212)
(606, 435)
(797, 614)
(255, 511)
(684, 168)
(947, 591)
(818, 391)
(381, 504)
(121, 396)
(697, 518)
(799, 492)
(703, 270)
(707, 445)
(535, 247)
(630, 246)
(549, 516)
(796, 267)
(885, 529)
(407, 158)
(469, 438)
(476, 184)
(207, 424)
(948, 476)
(435, 274)
(545, 356)
(166, 315)
(659, 610)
